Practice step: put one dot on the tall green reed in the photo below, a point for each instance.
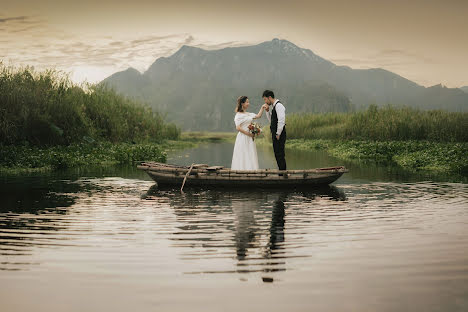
(46, 108)
(381, 124)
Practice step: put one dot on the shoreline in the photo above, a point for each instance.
(415, 156)
(24, 159)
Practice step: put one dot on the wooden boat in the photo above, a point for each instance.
(204, 175)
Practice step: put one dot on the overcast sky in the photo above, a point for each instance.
(423, 40)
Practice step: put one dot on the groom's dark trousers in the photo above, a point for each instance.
(278, 145)
(278, 148)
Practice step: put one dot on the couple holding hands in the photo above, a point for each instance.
(245, 151)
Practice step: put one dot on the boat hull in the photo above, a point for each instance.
(214, 179)
(170, 181)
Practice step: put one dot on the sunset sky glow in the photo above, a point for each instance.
(424, 41)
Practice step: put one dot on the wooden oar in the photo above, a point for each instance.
(188, 172)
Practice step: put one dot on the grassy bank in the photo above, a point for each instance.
(381, 124)
(413, 139)
(47, 122)
(17, 159)
(30, 158)
(448, 157)
(47, 109)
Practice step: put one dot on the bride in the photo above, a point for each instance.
(244, 156)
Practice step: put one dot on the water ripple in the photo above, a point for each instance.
(405, 232)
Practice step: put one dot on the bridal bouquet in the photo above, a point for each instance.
(255, 129)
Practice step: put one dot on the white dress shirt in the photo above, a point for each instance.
(281, 113)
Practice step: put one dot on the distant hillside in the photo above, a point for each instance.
(465, 88)
(198, 88)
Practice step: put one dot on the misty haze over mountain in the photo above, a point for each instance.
(198, 88)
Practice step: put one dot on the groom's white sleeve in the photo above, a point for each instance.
(268, 114)
(281, 112)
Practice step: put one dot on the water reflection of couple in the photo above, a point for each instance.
(247, 229)
(258, 247)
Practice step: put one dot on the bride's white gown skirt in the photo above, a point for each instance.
(244, 156)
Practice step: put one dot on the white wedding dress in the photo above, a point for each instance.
(244, 156)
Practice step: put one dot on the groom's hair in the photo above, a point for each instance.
(268, 93)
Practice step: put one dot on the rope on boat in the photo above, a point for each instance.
(188, 172)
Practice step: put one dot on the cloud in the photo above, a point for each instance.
(367, 63)
(75, 53)
(22, 26)
(150, 39)
(401, 54)
(20, 21)
(15, 18)
(222, 45)
(101, 56)
(25, 29)
(189, 40)
(389, 58)
(116, 43)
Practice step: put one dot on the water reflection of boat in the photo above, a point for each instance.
(165, 174)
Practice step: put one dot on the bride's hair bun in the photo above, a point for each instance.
(240, 100)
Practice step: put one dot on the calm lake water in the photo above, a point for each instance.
(378, 239)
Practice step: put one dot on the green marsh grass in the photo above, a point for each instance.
(388, 123)
(413, 139)
(47, 109)
(47, 122)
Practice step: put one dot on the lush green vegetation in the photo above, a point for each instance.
(47, 109)
(411, 155)
(381, 124)
(33, 158)
(47, 122)
(413, 139)
(29, 158)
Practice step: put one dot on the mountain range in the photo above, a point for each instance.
(198, 88)
(465, 88)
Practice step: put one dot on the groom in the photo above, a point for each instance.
(277, 118)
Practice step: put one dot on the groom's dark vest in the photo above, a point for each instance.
(274, 121)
